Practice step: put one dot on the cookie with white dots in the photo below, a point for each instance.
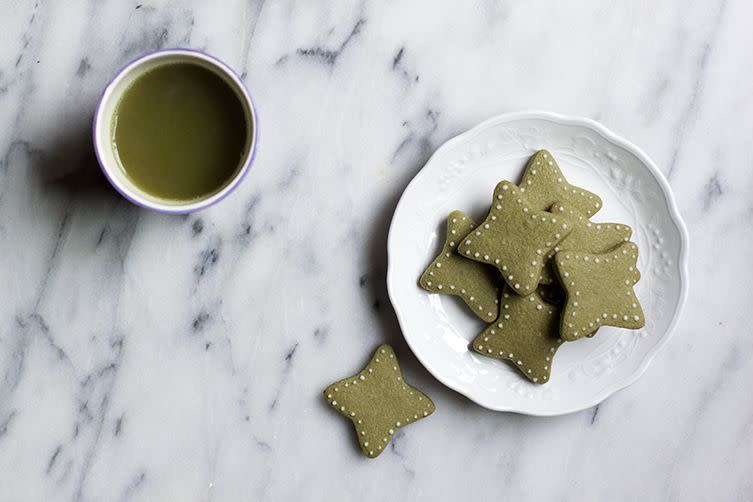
(599, 290)
(526, 333)
(515, 238)
(586, 236)
(451, 274)
(378, 401)
(545, 184)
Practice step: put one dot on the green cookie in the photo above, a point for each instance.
(545, 184)
(586, 236)
(526, 333)
(378, 401)
(599, 290)
(451, 274)
(515, 238)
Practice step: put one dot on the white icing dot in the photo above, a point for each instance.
(334, 403)
(636, 318)
(397, 424)
(476, 254)
(539, 307)
(467, 242)
(624, 318)
(504, 187)
(362, 377)
(486, 257)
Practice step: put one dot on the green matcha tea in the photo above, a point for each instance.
(180, 132)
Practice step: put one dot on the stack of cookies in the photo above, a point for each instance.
(538, 270)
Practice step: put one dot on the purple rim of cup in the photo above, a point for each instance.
(209, 201)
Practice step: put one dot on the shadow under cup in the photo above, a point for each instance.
(106, 120)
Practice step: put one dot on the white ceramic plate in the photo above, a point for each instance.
(461, 175)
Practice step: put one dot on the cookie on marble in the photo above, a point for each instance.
(451, 274)
(599, 290)
(545, 184)
(526, 333)
(586, 236)
(378, 401)
(515, 238)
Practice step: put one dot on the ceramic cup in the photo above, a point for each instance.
(104, 124)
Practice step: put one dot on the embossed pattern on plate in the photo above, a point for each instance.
(461, 175)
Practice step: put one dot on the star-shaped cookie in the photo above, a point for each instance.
(526, 334)
(599, 290)
(378, 401)
(545, 184)
(586, 236)
(515, 238)
(451, 274)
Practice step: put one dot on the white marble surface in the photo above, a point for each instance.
(147, 357)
